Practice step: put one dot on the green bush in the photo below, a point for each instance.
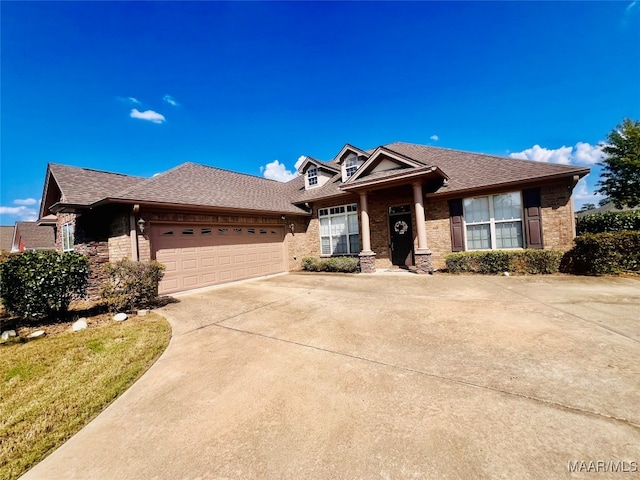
(332, 264)
(527, 261)
(604, 253)
(131, 284)
(40, 284)
(608, 222)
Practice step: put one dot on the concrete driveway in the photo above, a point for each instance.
(389, 376)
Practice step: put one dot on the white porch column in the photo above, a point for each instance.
(420, 218)
(364, 220)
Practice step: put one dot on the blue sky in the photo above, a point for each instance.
(141, 87)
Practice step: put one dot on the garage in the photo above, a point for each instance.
(201, 255)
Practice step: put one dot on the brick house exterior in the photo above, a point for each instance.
(401, 204)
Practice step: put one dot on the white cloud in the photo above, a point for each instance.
(586, 154)
(582, 154)
(583, 194)
(630, 6)
(278, 171)
(129, 100)
(540, 154)
(26, 201)
(170, 100)
(300, 161)
(435, 138)
(148, 115)
(23, 214)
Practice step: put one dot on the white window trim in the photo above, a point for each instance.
(68, 242)
(344, 215)
(492, 225)
(351, 166)
(312, 174)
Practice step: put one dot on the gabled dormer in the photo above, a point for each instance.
(316, 173)
(350, 158)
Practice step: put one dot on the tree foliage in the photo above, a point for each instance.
(620, 177)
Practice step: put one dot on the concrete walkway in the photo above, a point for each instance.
(307, 376)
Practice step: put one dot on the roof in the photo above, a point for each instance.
(194, 185)
(34, 236)
(465, 170)
(191, 184)
(6, 238)
(606, 208)
(84, 186)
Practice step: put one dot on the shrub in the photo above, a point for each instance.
(604, 253)
(527, 261)
(608, 222)
(333, 264)
(131, 284)
(40, 284)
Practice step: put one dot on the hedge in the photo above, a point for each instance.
(131, 284)
(608, 222)
(41, 284)
(333, 264)
(529, 261)
(604, 253)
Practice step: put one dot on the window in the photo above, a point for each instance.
(493, 222)
(187, 231)
(351, 166)
(68, 237)
(339, 230)
(205, 231)
(312, 176)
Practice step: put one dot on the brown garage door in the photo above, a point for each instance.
(197, 256)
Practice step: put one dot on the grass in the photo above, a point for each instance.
(51, 387)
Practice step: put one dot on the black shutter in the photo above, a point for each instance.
(457, 227)
(532, 217)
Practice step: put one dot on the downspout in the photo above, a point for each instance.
(133, 234)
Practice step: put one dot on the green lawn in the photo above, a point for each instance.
(51, 387)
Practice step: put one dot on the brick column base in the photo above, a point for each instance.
(423, 263)
(367, 263)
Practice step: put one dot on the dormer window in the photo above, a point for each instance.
(351, 166)
(312, 176)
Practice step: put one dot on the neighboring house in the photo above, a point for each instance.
(399, 204)
(6, 239)
(606, 208)
(29, 236)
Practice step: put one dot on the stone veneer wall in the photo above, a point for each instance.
(119, 238)
(97, 249)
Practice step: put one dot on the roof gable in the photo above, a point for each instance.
(310, 161)
(383, 159)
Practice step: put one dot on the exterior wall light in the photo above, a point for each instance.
(141, 223)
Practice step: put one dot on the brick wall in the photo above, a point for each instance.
(438, 230)
(558, 223)
(119, 239)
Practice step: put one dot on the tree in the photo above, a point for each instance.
(620, 177)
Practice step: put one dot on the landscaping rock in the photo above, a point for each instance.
(80, 324)
(36, 334)
(8, 333)
(142, 312)
(120, 317)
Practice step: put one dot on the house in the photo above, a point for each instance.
(399, 204)
(29, 236)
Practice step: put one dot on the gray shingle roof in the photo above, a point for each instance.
(34, 236)
(84, 186)
(466, 170)
(200, 185)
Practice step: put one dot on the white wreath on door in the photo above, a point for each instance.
(401, 227)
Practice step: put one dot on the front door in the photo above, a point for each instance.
(401, 238)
